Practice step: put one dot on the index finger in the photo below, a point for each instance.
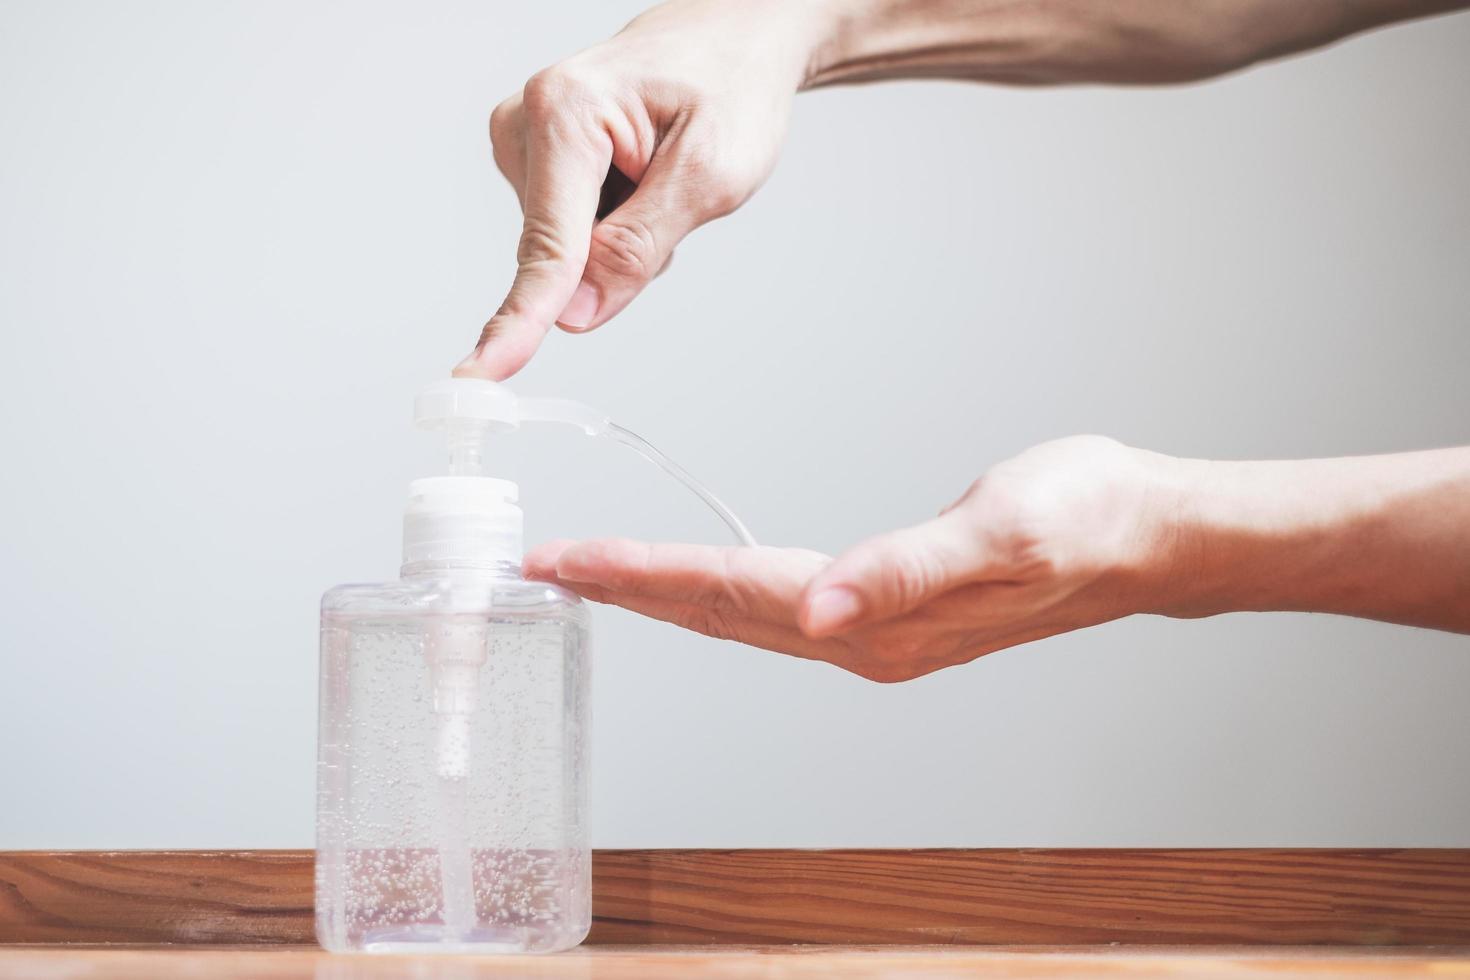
(566, 160)
(758, 582)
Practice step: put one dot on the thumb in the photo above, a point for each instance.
(893, 573)
(631, 246)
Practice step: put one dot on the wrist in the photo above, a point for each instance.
(1148, 566)
(1193, 575)
(846, 30)
(1384, 537)
(1250, 537)
(779, 39)
(1027, 42)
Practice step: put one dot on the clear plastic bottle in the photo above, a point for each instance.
(453, 750)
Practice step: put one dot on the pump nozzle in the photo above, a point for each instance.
(495, 408)
(469, 409)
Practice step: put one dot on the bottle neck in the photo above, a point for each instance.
(461, 568)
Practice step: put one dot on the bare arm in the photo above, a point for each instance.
(1383, 537)
(1067, 535)
(689, 103)
(1058, 41)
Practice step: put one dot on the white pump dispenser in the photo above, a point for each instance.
(468, 409)
(494, 857)
(468, 516)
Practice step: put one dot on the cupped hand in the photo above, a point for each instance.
(1068, 534)
(621, 151)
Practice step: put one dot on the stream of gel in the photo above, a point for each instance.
(648, 451)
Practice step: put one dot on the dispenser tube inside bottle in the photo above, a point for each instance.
(455, 652)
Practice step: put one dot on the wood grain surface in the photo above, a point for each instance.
(1049, 897)
(736, 963)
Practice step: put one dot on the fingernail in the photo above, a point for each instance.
(467, 366)
(582, 308)
(831, 609)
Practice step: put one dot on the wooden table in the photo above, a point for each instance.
(771, 914)
(729, 962)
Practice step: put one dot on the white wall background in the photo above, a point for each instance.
(236, 238)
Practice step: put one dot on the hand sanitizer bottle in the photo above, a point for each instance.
(453, 747)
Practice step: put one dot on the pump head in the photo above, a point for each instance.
(467, 515)
(468, 410)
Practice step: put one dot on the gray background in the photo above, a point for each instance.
(236, 238)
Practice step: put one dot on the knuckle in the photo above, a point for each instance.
(539, 245)
(1014, 522)
(1031, 554)
(1023, 538)
(508, 163)
(546, 91)
(502, 122)
(505, 142)
(502, 160)
(554, 91)
(710, 622)
(625, 248)
(734, 594)
(505, 137)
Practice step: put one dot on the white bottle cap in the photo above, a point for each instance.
(462, 518)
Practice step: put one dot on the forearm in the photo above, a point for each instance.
(1058, 41)
(1382, 537)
